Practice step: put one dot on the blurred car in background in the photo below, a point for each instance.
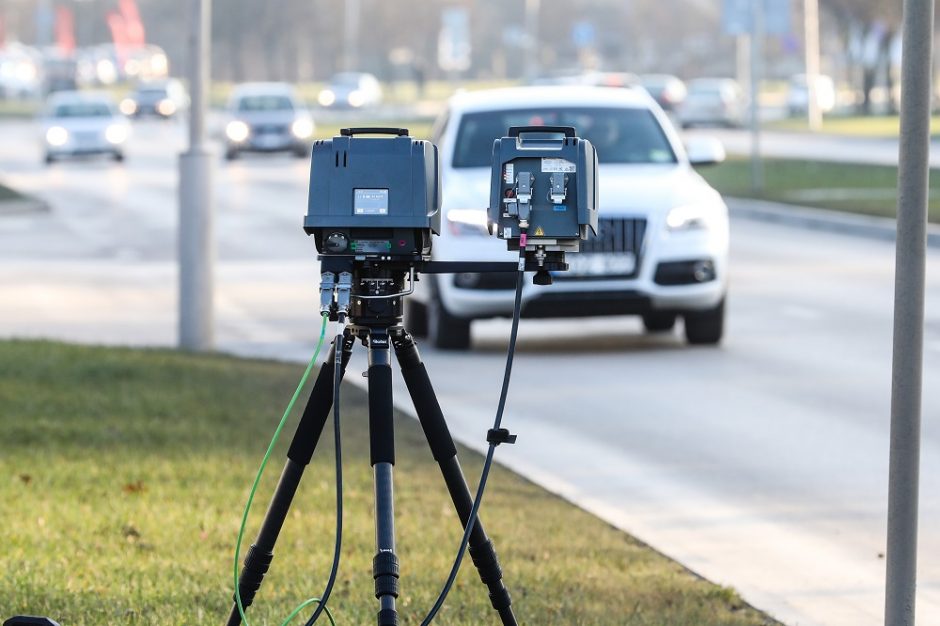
(712, 101)
(267, 117)
(662, 246)
(351, 90)
(160, 98)
(798, 94)
(669, 91)
(76, 123)
(589, 79)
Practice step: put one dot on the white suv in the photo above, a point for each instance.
(662, 247)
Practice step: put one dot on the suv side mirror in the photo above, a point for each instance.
(705, 151)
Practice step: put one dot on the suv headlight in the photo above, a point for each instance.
(687, 218)
(467, 222)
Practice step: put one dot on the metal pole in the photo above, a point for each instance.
(757, 42)
(532, 39)
(351, 35)
(910, 270)
(196, 244)
(811, 49)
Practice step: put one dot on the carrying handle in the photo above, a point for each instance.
(349, 132)
(567, 131)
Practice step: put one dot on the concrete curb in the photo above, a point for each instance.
(19, 207)
(884, 228)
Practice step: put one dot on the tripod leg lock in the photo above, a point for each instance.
(385, 572)
(500, 435)
(257, 562)
(487, 564)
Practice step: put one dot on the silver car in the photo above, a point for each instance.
(662, 247)
(267, 117)
(713, 101)
(76, 123)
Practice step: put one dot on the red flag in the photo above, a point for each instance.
(119, 35)
(134, 27)
(65, 29)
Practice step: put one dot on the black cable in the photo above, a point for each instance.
(334, 569)
(477, 501)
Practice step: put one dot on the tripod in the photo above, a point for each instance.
(379, 328)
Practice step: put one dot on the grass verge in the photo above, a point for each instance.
(124, 474)
(6, 194)
(855, 188)
(852, 125)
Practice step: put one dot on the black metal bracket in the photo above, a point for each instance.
(497, 436)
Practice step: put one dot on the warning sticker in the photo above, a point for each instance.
(508, 175)
(558, 165)
(539, 232)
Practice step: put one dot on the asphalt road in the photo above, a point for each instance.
(761, 464)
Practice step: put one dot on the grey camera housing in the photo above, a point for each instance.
(544, 179)
(374, 197)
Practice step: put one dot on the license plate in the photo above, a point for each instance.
(610, 264)
(270, 141)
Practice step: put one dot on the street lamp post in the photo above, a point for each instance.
(196, 243)
(910, 275)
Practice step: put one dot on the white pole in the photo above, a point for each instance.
(811, 49)
(196, 243)
(532, 39)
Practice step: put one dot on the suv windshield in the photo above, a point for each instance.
(265, 103)
(619, 135)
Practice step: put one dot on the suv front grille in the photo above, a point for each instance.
(617, 234)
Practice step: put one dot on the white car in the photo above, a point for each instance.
(662, 247)
(76, 123)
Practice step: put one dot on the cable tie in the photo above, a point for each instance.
(500, 435)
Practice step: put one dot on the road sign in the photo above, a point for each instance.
(736, 18)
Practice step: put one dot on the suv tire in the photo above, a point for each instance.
(446, 331)
(705, 327)
(659, 322)
(416, 318)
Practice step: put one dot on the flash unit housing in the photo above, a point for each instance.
(544, 180)
(374, 197)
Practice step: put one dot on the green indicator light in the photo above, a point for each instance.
(352, 246)
(388, 245)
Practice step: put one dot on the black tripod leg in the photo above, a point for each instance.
(259, 556)
(382, 452)
(442, 445)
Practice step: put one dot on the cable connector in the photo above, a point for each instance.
(343, 292)
(327, 287)
(500, 435)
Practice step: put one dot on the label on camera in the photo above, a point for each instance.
(558, 165)
(370, 201)
(509, 174)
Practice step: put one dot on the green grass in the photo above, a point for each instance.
(852, 125)
(9, 194)
(123, 475)
(857, 188)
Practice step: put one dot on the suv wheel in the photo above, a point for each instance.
(659, 322)
(705, 327)
(416, 318)
(446, 331)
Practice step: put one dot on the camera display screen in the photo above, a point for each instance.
(370, 201)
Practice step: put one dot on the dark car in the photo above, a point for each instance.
(160, 98)
(669, 91)
(267, 117)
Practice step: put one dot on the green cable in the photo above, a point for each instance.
(254, 487)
